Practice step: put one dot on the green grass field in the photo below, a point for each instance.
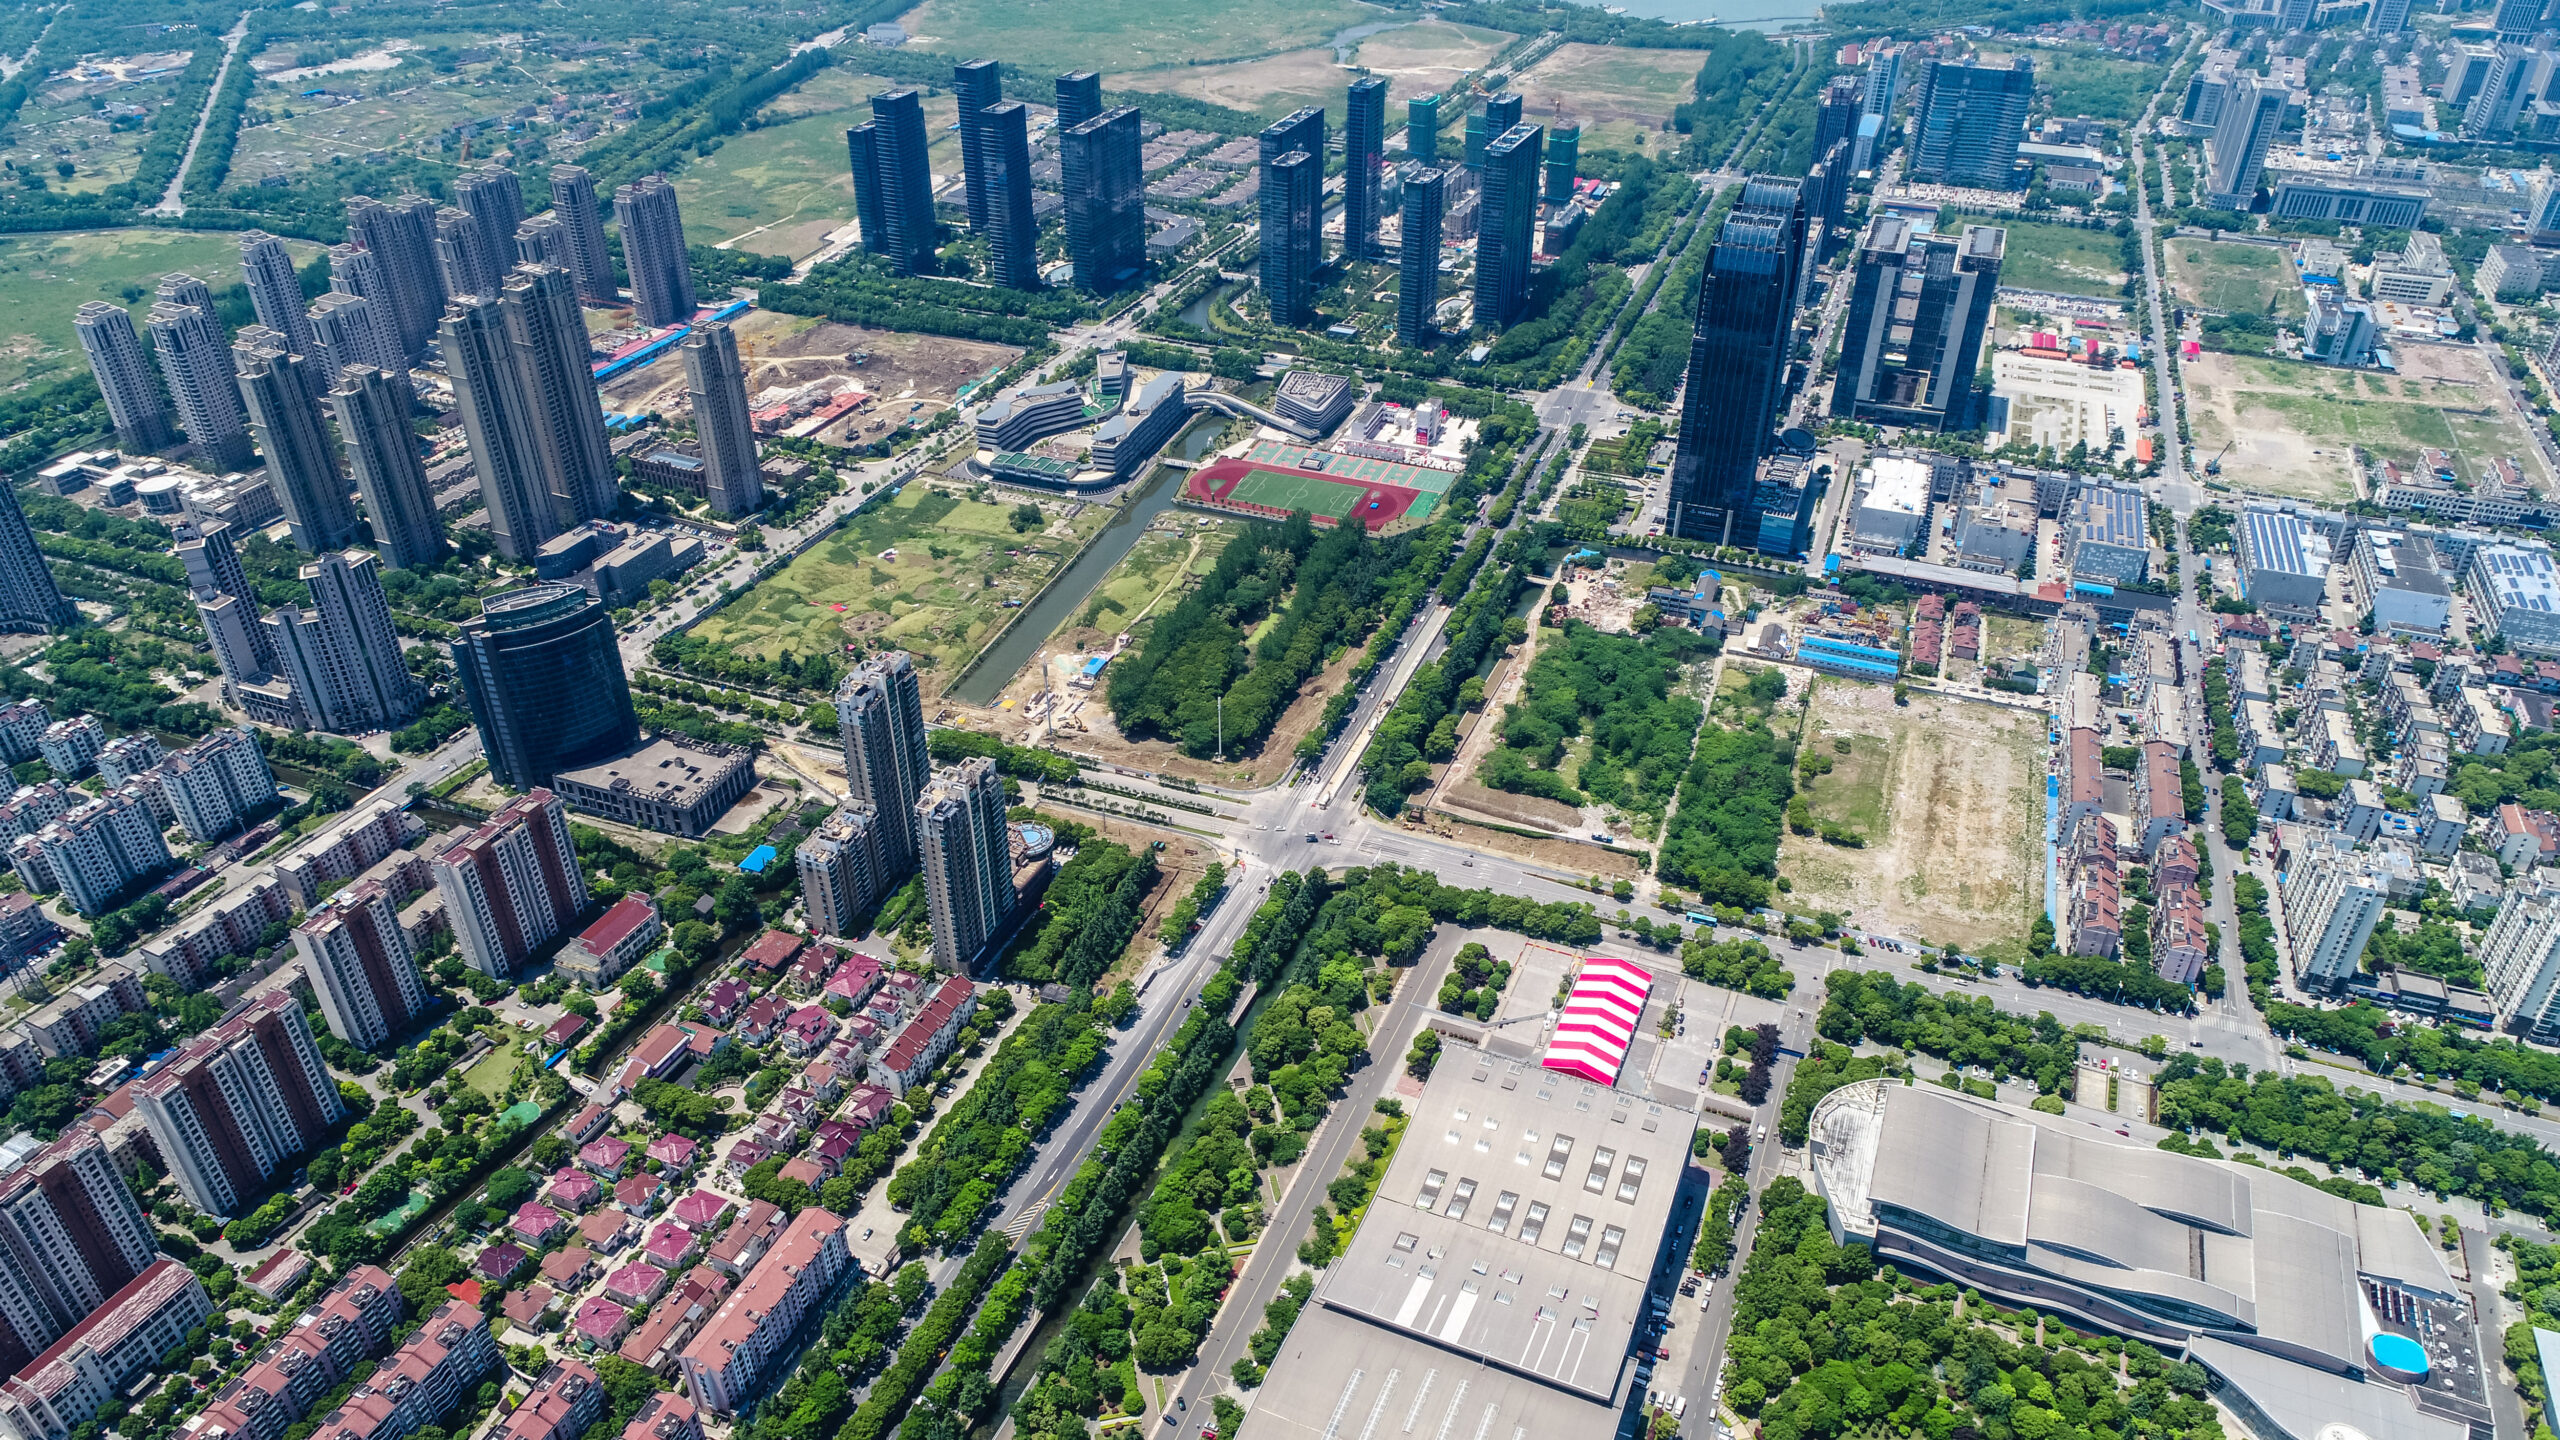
(1853, 794)
(2231, 279)
(1123, 35)
(1146, 571)
(778, 190)
(489, 1075)
(1297, 492)
(942, 593)
(2095, 85)
(45, 277)
(2064, 260)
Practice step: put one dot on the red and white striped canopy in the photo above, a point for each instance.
(1600, 1019)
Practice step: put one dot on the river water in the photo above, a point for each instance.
(1732, 14)
(997, 666)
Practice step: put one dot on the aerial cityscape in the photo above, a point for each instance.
(1470, 719)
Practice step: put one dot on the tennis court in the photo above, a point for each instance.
(1353, 469)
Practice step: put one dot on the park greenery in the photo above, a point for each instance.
(1092, 909)
(1618, 693)
(1827, 1344)
(1723, 840)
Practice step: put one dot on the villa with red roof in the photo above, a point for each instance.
(608, 1229)
(587, 1124)
(762, 1017)
(639, 1194)
(538, 1223)
(600, 1323)
(866, 1105)
(673, 1151)
(773, 950)
(807, 1031)
(805, 1170)
(722, 999)
(605, 1156)
(499, 1263)
(808, 972)
(529, 1309)
(671, 1246)
(573, 1189)
(855, 979)
(616, 942)
(562, 1031)
(745, 1156)
(701, 1211)
(637, 1283)
(570, 1268)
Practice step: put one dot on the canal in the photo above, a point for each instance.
(998, 663)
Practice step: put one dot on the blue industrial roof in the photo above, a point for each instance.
(757, 859)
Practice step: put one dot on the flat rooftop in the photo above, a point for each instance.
(1514, 1240)
(664, 769)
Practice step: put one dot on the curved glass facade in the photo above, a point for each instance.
(545, 684)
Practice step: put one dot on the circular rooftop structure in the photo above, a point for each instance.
(2399, 1357)
(1037, 840)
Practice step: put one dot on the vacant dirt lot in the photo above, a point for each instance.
(1416, 59)
(1595, 84)
(1956, 853)
(2290, 425)
(902, 370)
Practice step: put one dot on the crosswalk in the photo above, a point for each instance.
(1021, 1224)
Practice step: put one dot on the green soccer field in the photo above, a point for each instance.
(1298, 492)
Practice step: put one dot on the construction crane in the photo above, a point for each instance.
(2214, 465)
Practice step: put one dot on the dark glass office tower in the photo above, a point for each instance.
(1422, 129)
(545, 683)
(1106, 199)
(1488, 123)
(1364, 141)
(862, 150)
(1004, 148)
(1418, 277)
(1916, 316)
(1079, 99)
(1507, 232)
(977, 87)
(1292, 214)
(892, 180)
(1968, 121)
(1738, 353)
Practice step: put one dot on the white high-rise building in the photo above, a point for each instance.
(2520, 961)
(22, 727)
(240, 1104)
(197, 364)
(127, 756)
(350, 332)
(840, 873)
(275, 291)
(280, 389)
(98, 851)
(967, 859)
(372, 405)
(361, 963)
(216, 784)
(2331, 900)
(880, 718)
(717, 381)
(71, 746)
(343, 657)
(114, 349)
(512, 884)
